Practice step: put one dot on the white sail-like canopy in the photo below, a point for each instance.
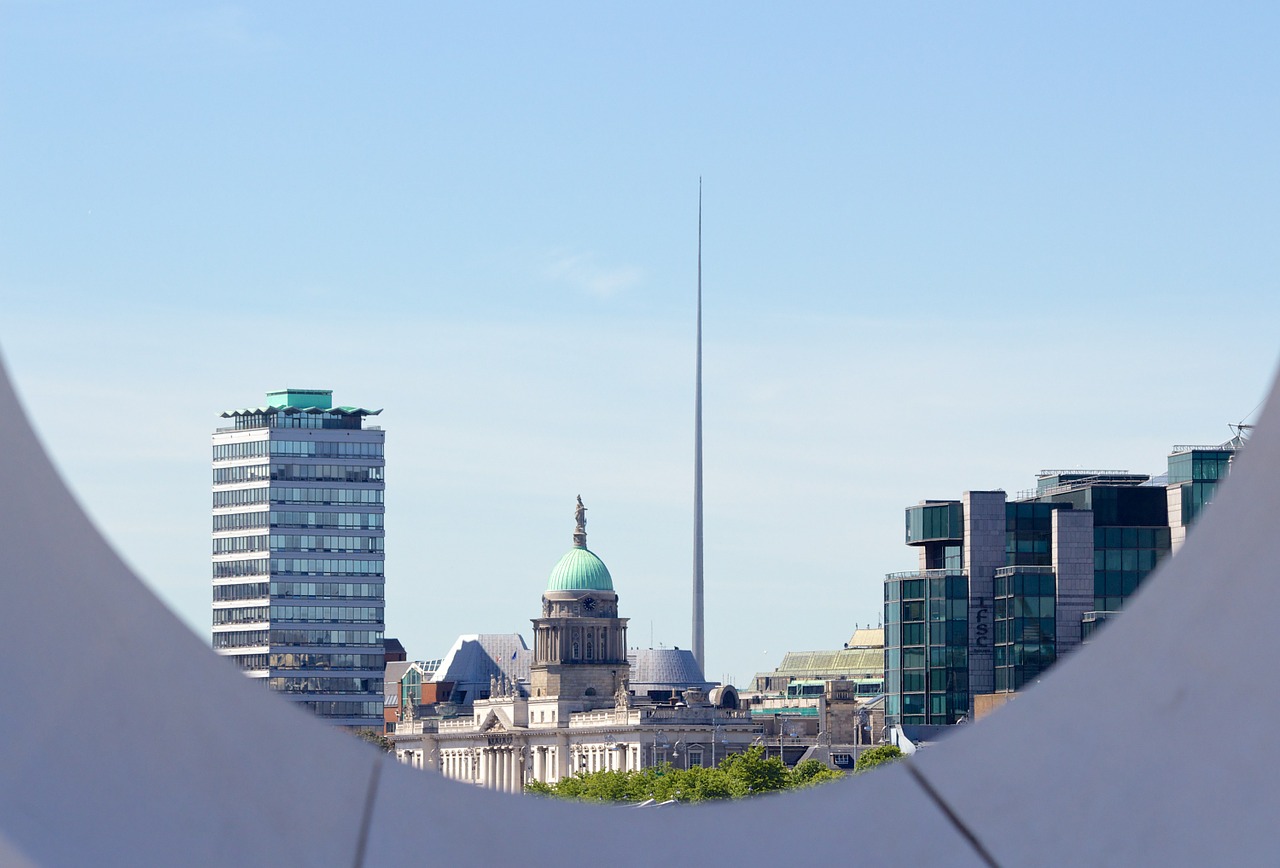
(1148, 746)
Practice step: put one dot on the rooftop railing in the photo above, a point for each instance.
(925, 574)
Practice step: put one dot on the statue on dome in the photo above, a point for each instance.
(580, 532)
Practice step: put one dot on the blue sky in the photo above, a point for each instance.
(944, 247)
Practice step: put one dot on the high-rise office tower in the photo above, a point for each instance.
(298, 552)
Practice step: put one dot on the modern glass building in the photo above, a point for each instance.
(926, 647)
(981, 615)
(298, 552)
(1006, 587)
(1130, 527)
(1194, 475)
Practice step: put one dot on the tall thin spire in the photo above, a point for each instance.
(698, 640)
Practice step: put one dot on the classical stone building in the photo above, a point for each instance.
(578, 710)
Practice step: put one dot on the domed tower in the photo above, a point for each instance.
(579, 643)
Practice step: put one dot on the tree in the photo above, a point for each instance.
(375, 738)
(751, 772)
(737, 776)
(811, 772)
(877, 756)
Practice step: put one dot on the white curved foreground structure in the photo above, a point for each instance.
(1154, 745)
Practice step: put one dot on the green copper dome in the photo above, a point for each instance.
(580, 570)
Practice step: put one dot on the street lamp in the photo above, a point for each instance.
(659, 737)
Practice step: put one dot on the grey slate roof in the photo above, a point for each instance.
(665, 669)
(475, 657)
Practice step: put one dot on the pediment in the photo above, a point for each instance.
(496, 721)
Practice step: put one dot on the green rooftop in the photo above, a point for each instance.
(294, 401)
(303, 399)
(580, 570)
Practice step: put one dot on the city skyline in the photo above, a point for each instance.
(918, 280)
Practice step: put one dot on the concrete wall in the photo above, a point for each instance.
(1073, 566)
(984, 531)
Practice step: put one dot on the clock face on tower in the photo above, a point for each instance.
(588, 604)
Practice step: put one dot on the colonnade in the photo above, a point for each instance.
(497, 767)
(504, 767)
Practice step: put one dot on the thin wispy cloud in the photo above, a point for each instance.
(225, 27)
(585, 272)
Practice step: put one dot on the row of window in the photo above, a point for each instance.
(326, 448)
(1113, 583)
(325, 567)
(240, 497)
(324, 495)
(243, 449)
(240, 638)
(320, 520)
(910, 708)
(308, 542)
(326, 473)
(322, 708)
(321, 660)
(241, 521)
(1024, 607)
(296, 448)
(943, 556)
(246, 591)
(296, 567)
(1207, 466)
(955, 633)
(1028, 583)
(234, 569)
(245, 473)
(930, 681)
(319, 590)
(1025, 655)
(294, 542)
(951, 587)
(240, 615)
(232, 544)
(937, 610)
(332, 684)
(1131, 538)
(274, 419)
(1035, 630)
(1144, 560)
(340, 520)
(327, 496)
(326, 637)
(341, 614)
(299, 472)
(249, 662)
(956, 657)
